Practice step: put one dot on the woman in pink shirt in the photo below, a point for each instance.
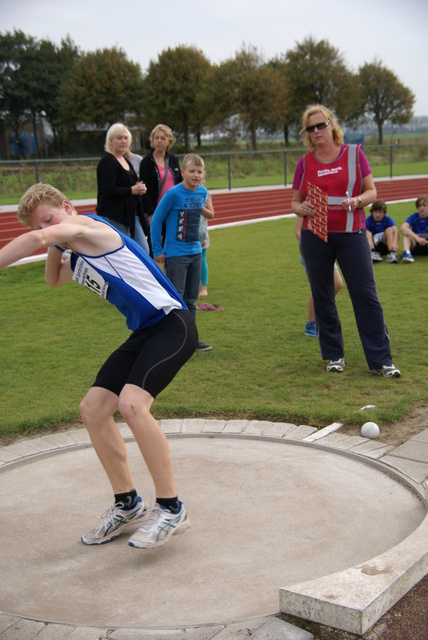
(332, 184)
(159, 169)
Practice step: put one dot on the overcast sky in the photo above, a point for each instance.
(391, 31)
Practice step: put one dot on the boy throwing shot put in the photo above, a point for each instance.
(163, 338)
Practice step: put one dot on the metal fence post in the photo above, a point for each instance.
(285, 167)
(228, 172)
(390, 160)
(36, 166)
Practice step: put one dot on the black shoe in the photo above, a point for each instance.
(201, 346)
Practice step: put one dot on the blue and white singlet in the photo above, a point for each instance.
(130, 280)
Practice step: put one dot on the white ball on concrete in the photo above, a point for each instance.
(370, 430)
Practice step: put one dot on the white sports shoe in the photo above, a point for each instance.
(376, 257)
(389, 371)
(392, 257)
(114, 522)
(336, 365)
(159, 526)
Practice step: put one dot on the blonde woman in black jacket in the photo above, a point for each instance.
(119, 190)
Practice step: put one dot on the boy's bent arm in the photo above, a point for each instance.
(161, 213)
(20, 247)
(57, 270)
(208, 209)
(28, 243)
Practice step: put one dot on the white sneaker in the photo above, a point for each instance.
(159, 526)
(392, 257)
(336, 365)
(114, 522)
(376, 257)
(389, 371)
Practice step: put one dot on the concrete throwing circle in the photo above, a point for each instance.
(264, 515)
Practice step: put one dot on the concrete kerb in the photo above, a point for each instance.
(352, 600)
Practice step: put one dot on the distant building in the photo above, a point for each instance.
(13, 149)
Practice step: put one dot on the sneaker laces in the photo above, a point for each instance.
(155, 517)
(108, 517)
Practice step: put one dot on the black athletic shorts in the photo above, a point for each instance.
(420, 250)
(151, 357)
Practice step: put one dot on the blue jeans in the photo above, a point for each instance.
(138, 236)
(185, 274)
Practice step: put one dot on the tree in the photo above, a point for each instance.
(316, 74)
(174, 91)
(103, 87)
(54, 68)
(384, 97)
(16, 99)
(248, 87)
(31, 73)
(282, 102)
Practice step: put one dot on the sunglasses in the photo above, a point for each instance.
(320, 127)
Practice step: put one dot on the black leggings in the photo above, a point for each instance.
(352, 252)
(151, 357)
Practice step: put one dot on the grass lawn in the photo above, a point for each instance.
(262, 366)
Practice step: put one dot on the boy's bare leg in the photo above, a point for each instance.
(97, 409)
(134, 405)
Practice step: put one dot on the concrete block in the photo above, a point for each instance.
(355, 599)
(351, 442)
(62, 439)
(257, 427)
(185, 633)
(412, 450)
(7, 456)
(23, 630)
(82, 436)
(19, 450)
(321, 433)
(276, 629)
(421, 437)
(375, 452)
(193, 425)
(241, 630)
(6, 621)
(88, 633)
(171, 426)
(333, 440)
(288, 426)
(417, 471)
(300, 432)
(56, 632)
(276, 430)
(213, 426)
(42, 444)
(236, 426)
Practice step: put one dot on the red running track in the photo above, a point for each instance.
(243, 206)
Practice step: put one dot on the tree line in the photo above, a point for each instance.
(72, 89)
